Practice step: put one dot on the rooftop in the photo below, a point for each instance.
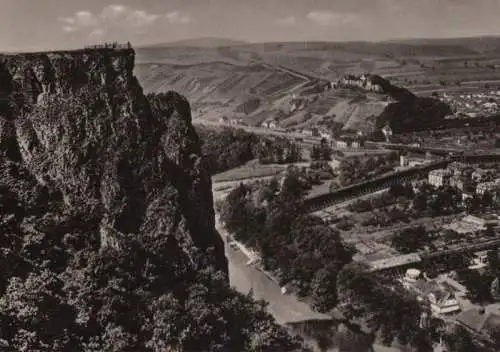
(440, 172)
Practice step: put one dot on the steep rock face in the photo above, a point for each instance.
(77, 127)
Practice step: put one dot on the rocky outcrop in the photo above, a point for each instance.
(77, 127)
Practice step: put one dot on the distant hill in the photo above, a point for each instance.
(480, 45)
(286, 80)
(256, 92)
(205, 42)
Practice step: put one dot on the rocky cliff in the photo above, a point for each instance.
(79, 126)
(107, 236)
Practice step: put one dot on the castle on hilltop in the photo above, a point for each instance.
(365, 82)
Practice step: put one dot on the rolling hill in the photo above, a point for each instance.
(258, 81)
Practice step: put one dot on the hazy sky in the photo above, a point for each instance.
(42, 24)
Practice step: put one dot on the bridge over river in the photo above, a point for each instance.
(343, 194)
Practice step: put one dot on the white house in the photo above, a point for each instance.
(273, 124)
(411, 277)
(440, 177)
(326, 135)
(441, 300)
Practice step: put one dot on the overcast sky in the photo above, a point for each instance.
(44, 24)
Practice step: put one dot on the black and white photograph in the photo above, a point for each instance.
(249, 175)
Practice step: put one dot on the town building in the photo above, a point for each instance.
(350, 141)
(485, 221)
(411, 160)
(479, 175)
(440, 177)
(441, 300)
(326, 135)
(479, 261)
(313, 132)
(411, 277)
(460, 182)
(490, 187)
(236, 121)
(273, 124)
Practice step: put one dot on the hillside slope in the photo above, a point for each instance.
(106, 215)
(255, 92)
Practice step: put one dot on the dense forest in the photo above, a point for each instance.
(227, 148)
(304, 252)
(415, 114)
(230, 148)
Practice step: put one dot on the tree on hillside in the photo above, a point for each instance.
(322, 151)
(478, 285)
(227, 149)
(420, 202)
(382, 303)
(324, 289)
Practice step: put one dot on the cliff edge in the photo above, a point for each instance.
(79, 124)
(107, 232)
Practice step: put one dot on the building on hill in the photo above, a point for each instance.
(440, 177)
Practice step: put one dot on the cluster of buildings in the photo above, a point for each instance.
(470, 225)
(353, 141)
(365, 81)
(271, 123)
(467, 179)
(442, 300)
(472, 105)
